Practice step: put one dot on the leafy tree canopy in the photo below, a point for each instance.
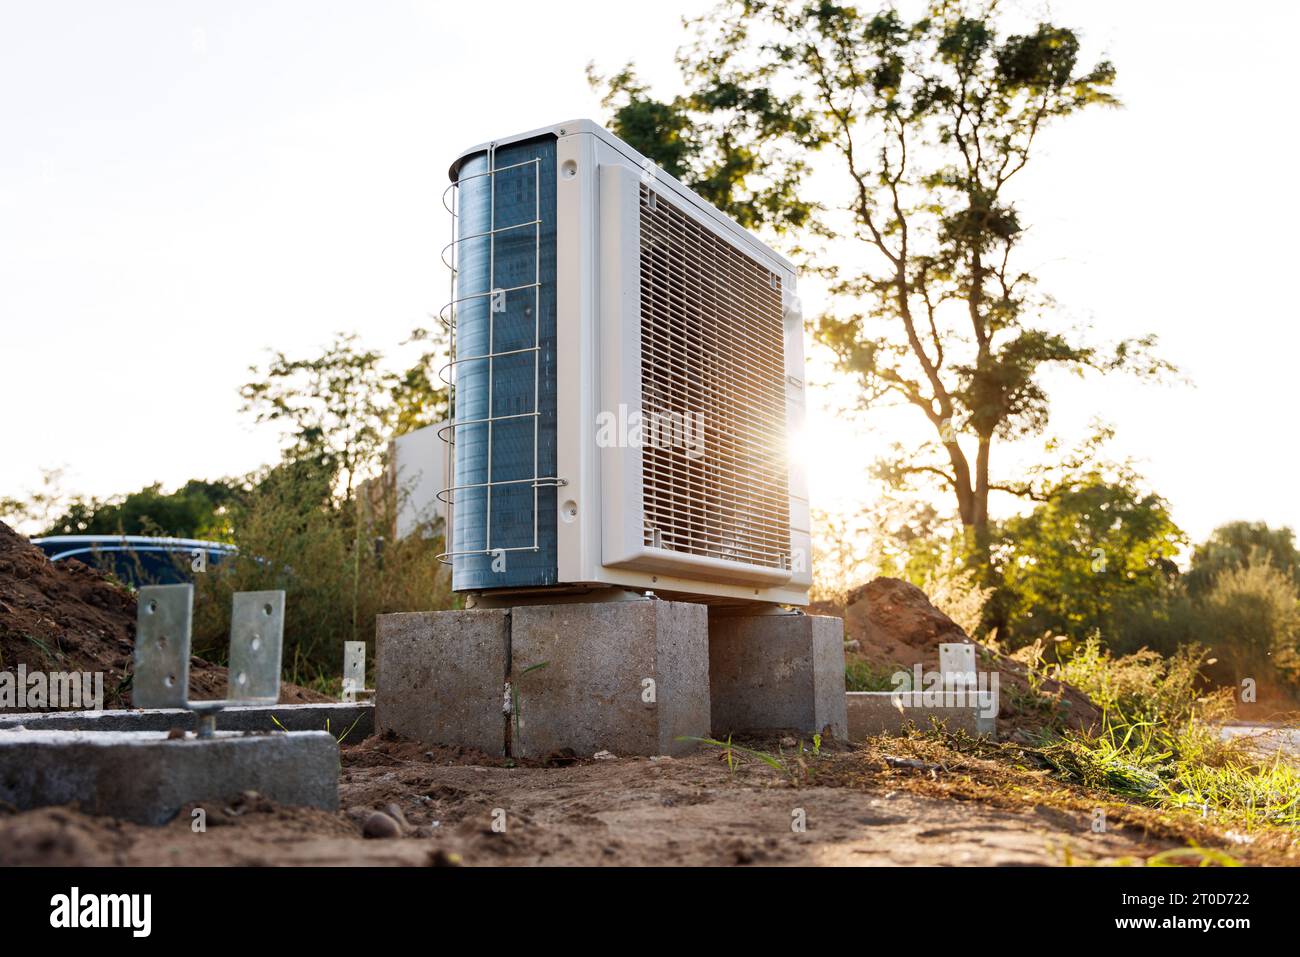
(918, 128)
(1101, 543)
(195, 510)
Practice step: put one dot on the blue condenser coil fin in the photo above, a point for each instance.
(504, 493)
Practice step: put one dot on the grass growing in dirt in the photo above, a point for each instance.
(862, 675)
(1157, 763)
(1159, 743)
(793, 765)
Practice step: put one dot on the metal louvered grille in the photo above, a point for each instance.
(716, 482)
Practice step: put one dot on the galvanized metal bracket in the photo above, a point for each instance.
(164, 618)
(354, 671)
(957, 665)
(256, 636)
(162, 646)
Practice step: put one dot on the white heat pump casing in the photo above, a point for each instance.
(599, 526)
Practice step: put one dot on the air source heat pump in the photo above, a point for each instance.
(627, 365)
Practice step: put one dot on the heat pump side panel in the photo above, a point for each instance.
(504, 517)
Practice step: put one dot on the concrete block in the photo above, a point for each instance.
(440, 677)
(777, 672)
(145, 777)
(334, 718)
(357, 720)
(883, 712)
(629, 677)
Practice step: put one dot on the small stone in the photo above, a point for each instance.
(853, 645)
(788, 742)
(395, 812)
(604, 756)
(176, 734)
(379, 826)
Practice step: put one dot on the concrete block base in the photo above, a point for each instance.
(146, 777)
(357, 721)
(630, 677)
(777, 672)
(881, 712)
(440, 677)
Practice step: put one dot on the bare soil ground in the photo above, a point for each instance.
(888, 802)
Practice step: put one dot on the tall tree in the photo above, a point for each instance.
(336, 408)
(915, 129)
(420, 397)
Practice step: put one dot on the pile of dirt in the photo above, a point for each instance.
(66, 616)
(890, 623)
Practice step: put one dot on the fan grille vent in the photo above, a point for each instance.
(715, 476)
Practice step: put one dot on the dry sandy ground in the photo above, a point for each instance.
(689, 810)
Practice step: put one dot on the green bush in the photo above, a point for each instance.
(1141, 687)
(1163, 620)
(336, 561)
(862, 675)
(1252, 612)
(1238, 544)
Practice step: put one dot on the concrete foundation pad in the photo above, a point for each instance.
(440, 677)
(882, 712)
(630, 677)
(777, 672)
(146, 777)
(356, 720)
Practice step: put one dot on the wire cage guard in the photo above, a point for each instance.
(501, 320)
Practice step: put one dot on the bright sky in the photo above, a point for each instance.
(183, 185)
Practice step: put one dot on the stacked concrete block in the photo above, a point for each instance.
(440, 677)
(629, 677)
(632, 677)
(777, 671)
